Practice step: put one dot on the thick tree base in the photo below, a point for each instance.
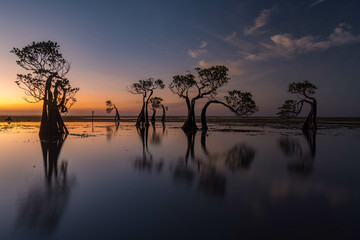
(47, 132)
(309, 124)
(190, 128)
(50, 135)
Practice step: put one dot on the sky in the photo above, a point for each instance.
(265, 44)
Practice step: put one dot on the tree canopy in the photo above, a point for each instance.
(155, 102)
(241, 103)
(302, 89)
(292, 108)
(46, 63)
(145, 86)
(209, 80)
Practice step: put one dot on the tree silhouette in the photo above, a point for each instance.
(155, 103)
(240, 103)
(46, 83)
(146, 89)
(206, 85)
(292, 108)
(110, 108)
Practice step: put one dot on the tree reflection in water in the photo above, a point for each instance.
(146, 162)
(240, 157)
(212, 182)
(206, 172)
(110, 130)
(41, 209)
(209, 180)
(302, 162)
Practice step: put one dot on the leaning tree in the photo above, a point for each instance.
(240, 103)
(110, 108)
(155, 103)
(205, 85)
(146, 88)
(46, 82)
(292, 108)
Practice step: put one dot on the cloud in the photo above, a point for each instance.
(285, 45)
(203, 44)
(260, 21)
(237, 42)
(198, 52)
(316, 3)
(246, 55)
(230, 37)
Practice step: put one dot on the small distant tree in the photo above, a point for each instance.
(155, 103)
(206, 84)
(46, 82)
(292, 108)
(240, 103)
(110, 108)
(146, 88)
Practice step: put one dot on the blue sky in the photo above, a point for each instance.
(266, 45)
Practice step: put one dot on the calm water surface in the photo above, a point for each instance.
(118, 182)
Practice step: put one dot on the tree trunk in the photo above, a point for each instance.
(141, 117)
(314, 122)
(153, 117)
(147, 113)
(190, 123)
(117, 115)
(310, 122)
(163, 116)
(204, 126)
(51, 122)
(44, 119)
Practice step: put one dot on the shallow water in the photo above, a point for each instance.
(118, 182)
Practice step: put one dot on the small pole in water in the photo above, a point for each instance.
(92, 116)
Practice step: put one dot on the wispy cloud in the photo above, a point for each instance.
(316, 3)
(230, 37)
(237, 42)
(195, 53)
(243, 61)
(260, 21)
(285, 45)
(203, 44)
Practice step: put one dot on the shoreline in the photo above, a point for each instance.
(354, 121)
